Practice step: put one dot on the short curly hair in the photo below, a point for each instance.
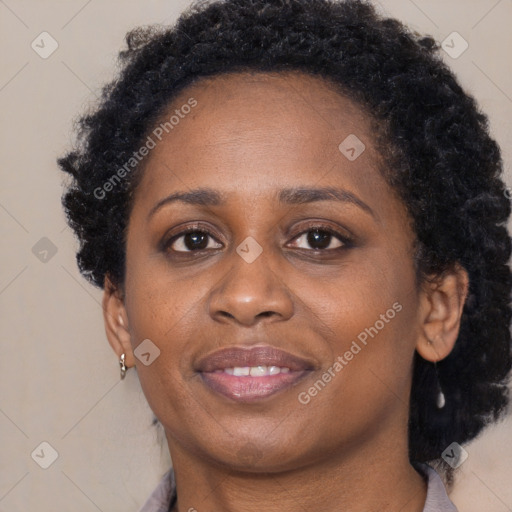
(434, 140)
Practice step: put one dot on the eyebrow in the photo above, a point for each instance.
(287, 196)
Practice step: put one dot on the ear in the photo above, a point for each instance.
(116, 322)
(441, 304)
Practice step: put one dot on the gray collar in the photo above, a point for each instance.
(437, 499)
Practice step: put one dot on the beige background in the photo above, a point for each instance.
(59, 379)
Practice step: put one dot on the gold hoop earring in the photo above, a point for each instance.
(123, 366)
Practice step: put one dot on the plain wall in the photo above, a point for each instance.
(59, 379)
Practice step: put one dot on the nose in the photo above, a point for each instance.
(251, 293)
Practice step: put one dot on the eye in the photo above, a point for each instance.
(317, 238)
(321, 239)
(192, 240)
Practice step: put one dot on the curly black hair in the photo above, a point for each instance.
(434, 141)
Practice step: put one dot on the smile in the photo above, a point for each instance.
(251, 374)
(254, 371)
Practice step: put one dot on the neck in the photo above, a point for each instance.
(374, 477)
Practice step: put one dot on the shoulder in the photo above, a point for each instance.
(162, 496)
(437, 498)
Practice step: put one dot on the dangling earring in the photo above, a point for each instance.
(441, 401)
(123, 366)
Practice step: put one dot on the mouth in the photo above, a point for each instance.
(251, 374)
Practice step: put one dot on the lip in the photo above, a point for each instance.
(248, 388)
(257, 355)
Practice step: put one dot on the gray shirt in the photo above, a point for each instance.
(437, 499)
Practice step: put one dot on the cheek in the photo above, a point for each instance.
(368, 313)
(164, 311)
(155, 306)
(359, 292)
(159, 302)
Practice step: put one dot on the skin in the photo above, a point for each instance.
(250, 136)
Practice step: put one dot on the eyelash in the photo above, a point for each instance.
(345, 240)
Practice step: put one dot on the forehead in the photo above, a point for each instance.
(262, 130)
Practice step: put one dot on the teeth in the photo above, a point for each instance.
(258, 371)
(238, 371)
(254, 371)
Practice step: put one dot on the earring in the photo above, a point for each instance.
(441, 400)
(123, 366)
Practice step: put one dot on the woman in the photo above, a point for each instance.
(298, 220)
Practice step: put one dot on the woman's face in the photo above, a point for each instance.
(273, 262)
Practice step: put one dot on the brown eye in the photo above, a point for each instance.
(320, 239)
(193, 240)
